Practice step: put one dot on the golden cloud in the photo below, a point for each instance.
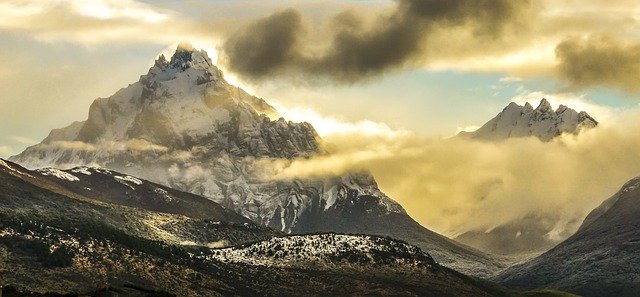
(600, 60)
(456, 185)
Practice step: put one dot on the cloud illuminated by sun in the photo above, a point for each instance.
(328, 126)
(112, 9)
(601, 113)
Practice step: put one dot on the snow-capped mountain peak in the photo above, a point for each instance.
(542, 122)
(185, 59)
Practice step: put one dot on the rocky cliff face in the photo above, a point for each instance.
(182, 125)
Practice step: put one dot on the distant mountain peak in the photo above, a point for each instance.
(542, 122)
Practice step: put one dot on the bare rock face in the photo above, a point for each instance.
(182, 125)
(542, 122)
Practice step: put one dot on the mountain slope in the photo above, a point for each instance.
(600, 259)
(113, 187)
(182, 125)
(542, 122)
(54, 240)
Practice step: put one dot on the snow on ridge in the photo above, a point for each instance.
(164, 193)
(82, 170)
(58, 173)
(102, 170)
(327, 248)
(12, 170)
(125, 180)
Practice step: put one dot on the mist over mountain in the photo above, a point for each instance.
(182, 125)
(535, 232)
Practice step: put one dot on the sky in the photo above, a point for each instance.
(405, 71)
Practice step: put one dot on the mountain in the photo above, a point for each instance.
(600, 259)
(521, 238)
(523, 121)
(184, 126)
(533, 233)
(56, 239)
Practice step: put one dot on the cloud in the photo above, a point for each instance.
(69, 145)
(357, 50)
(89, 22)
(267, 45)
(139, 145)
(339, 42)
(601, 113)
(600, 61)
(5, 150)
(327, 126)
(21, 139)
(467, 129)
(136, 145)
(457, 185)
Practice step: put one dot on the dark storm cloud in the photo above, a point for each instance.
(267, 45)
(276, 44)
(600, 61)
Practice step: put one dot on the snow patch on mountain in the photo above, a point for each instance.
(128, 178)
(324, 248)
(58, 173)
(82, 170)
